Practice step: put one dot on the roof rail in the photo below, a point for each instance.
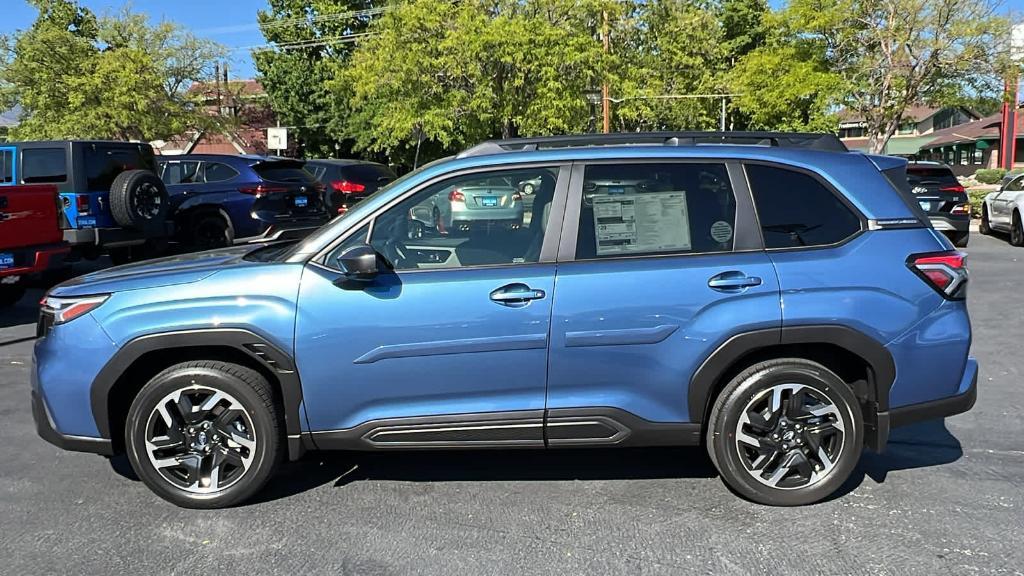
(809, 141)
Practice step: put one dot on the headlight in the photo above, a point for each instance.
(67, 309)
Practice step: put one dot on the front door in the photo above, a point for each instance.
(664, 264)
(1000, 214)
(449, 348)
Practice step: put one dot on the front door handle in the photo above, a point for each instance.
(732, 280)
(516, 295)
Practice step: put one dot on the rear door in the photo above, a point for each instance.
(660, 263)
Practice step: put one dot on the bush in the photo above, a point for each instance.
(989, 175)
(976, 197)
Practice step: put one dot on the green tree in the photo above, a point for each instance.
(311, 41)
(892, 54)
(78, 76)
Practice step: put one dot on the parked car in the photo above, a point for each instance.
(31, 242)
(942, 198)
(1001, 210)
(347, 182)
(665, 325)
(216, 199)
(478, 204)
(110, 196)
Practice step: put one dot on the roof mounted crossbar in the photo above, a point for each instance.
(810, 141)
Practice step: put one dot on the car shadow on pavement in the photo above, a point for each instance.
(918, 446)
(344, 468)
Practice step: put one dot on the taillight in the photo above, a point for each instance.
(946, 272)
(346, 187)
(957, 188)
(456, 196)
(82, 204)
(961, 209)
(67, 309)
(261, 190)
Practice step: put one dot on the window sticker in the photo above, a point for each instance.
(721, 231)
(631, 224)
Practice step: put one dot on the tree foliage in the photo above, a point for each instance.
(75, 75)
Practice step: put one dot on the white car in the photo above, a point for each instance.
(1001, 211)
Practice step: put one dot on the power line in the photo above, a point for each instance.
(312, 43)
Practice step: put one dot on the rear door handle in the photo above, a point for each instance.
(732, 280)
(516, 295)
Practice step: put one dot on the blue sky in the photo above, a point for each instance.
(230, 22)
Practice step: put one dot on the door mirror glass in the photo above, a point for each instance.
(358, 263)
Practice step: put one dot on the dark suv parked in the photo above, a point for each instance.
(349, 181)
(942, 198)
(217, 198)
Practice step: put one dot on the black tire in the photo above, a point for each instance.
(10, 294)
(816, 383)
(138, 200)
(960, 239)
(984, 227)
(249, 413)
(1016, 230)
(208, 231)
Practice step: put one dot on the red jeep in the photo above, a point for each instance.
(31, 241)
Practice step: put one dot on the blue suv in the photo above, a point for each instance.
(774, 297)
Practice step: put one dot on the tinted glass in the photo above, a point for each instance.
(918, 175)
(104, 162)
(283, 172)
(44, 165)
(6, 166)
(180, 173)
(368, 173)
(473, 220)
(219, 172)
(647, 209)
(795, 209)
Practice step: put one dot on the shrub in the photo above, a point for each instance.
(976, 197)
(989, 175)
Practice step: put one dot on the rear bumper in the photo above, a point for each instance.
(47, 431)
(962, 401)
(112, 237)
(950, 223)
(36, 259)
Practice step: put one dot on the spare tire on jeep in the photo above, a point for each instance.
(138, 200)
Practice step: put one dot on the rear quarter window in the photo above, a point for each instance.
(44, 166)
(796, 210)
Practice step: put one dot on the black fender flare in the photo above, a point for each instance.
(883, 368)
(264, 353)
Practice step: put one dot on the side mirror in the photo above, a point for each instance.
(358, 263)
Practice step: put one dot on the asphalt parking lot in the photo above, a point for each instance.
(946, 498)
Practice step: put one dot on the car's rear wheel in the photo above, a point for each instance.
(204, 434)
(209, 230)
(785, 432)
(1016, 230)
(984, 227)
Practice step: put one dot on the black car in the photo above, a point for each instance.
(349, 181)
(942, 198)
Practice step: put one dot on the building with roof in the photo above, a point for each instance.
(919, 125)
(969, 147)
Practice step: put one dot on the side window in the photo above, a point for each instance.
(1015, 185)
(103, 163)
(180, 173)
(795, 209)
(473, 220)
(650, 209)
(6, 166)
(44, 166)
(219, 172)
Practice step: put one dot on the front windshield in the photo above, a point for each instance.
(328, 231)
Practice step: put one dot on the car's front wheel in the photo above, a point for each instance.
(785, 432)
(204, 434)
(984, 227)
(1016, 230)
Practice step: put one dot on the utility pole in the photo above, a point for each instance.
(605, 96)
(721, 123)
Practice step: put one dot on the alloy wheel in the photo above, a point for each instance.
(200, 440)
(790, 436)
(148, 201)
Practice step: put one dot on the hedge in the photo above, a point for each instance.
(989, 175)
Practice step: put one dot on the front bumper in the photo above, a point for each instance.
(47, 431)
